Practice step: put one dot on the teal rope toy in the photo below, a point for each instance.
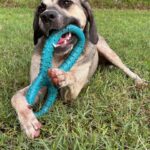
(43, 79)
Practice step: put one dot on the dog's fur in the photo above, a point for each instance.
(61, 13)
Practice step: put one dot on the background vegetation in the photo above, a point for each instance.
(121, 3)
(141, 4)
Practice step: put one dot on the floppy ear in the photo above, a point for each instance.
(93, 36)
(37, 32)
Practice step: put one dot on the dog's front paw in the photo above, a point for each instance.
(59, 77)
(29, 123)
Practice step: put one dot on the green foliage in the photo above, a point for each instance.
(121, 3)
(109, 113)
(142, 4)
(19, 3)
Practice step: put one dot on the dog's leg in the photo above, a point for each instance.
(111, 56)
(72, 82)
(28, 121)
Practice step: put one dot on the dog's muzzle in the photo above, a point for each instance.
(52, 19)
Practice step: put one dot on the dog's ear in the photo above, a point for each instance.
(93, 36)
(37, 32)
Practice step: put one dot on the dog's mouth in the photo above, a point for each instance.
(65, 43)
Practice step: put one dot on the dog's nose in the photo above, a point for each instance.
(49, 16)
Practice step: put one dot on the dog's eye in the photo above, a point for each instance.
(65, 3)
(41, 8)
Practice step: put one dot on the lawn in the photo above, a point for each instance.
(109, 113)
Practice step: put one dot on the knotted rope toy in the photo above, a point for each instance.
(43, 79)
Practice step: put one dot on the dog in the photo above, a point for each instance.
(53, 15)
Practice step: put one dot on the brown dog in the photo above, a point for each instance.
(54, 15)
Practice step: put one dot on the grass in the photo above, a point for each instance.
(109, 113)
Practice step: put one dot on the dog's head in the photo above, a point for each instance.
(55, 14)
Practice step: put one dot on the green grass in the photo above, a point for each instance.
(109, 113)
